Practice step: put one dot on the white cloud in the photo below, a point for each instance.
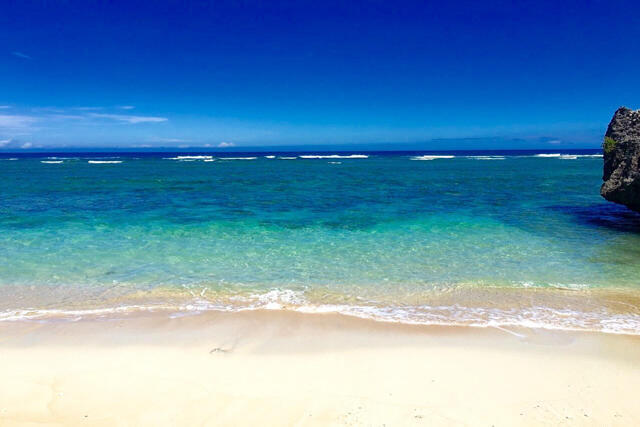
(4, 107)
(13, 143)
(127, 107)
(129, 119)
(554, 141)
(21, 55)
(226, 144)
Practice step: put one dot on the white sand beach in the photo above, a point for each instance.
(282, 368)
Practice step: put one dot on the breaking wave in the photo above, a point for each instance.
(594, 317)
(335, 156)
(431, 157)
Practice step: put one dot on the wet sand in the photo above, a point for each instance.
(284, 368)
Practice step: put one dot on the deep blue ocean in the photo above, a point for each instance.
(472, 238)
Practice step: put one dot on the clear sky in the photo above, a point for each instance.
(130, 73)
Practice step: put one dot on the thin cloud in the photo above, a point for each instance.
(127, 107)
(226, 144)
(67, 117)
(47, 110)
(21, 55)
(167, 140)
(4, 107)
(9, 121)
(129, 119)
(26, 145)
(5, 142)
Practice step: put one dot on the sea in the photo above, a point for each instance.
(474, 238)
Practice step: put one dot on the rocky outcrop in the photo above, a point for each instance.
(622, 159)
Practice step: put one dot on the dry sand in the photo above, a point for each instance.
(281, 368)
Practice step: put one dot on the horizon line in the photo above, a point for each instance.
(266, 149)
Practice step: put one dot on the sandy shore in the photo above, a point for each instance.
(279, 368)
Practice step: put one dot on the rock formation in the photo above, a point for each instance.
(622, 159)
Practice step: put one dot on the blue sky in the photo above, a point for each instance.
(242, 73)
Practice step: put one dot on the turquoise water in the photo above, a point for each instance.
(483, 239)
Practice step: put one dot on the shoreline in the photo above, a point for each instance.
(128, 313)
(279, 368)
(598, 310)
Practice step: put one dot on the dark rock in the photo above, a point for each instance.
(622, 159)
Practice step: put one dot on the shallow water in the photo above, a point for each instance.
(415, 237)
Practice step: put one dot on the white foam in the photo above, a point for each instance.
(431, 157)
(10, 159)
(452, 315)
(189, 158)
(270, 157)
(208, 160)
(568, 156)
(486, 157)
(580, 156)
(597, 320)
(104, 161)
(335, 163)
(51, 161)
(277, 299)
(287, 158)
(335, 156)
(237, 158)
